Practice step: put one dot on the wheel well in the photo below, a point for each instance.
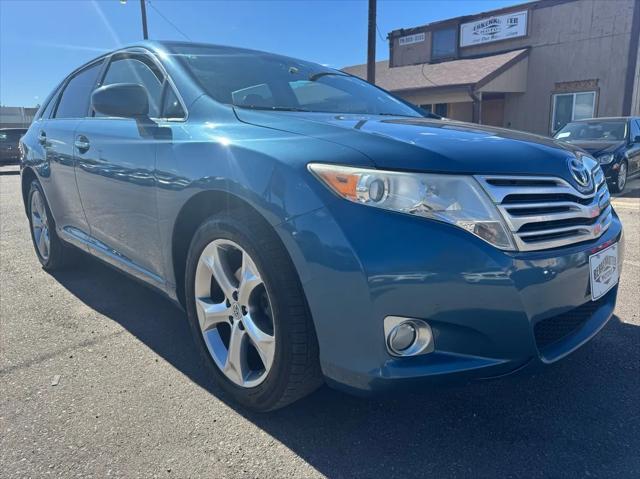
(191, 216)
(28, 175)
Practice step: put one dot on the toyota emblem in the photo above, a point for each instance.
(580, 174)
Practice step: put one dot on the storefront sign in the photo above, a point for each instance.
(491, 29)
(409, 39)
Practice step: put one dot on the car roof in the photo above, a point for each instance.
(607, 118)
(14, 129)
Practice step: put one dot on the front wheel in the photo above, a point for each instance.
(248, 313)
(621, 179)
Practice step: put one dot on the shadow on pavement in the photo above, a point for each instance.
(578, 418)
(632, 189)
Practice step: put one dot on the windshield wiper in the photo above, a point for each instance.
(315, 76)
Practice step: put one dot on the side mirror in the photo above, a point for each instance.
(636, 139)
(124, 100)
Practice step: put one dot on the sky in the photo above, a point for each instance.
(41, 41)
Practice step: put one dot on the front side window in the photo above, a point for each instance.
(263, 81)
(635, 131)
(172, 108)
(443, 43)
(597, 130)
(74, 102)
(569, 107)
(141, 71)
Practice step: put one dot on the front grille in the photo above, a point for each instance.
(551, 330)
(547, 212)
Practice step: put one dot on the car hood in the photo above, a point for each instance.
(424, 144)
(598, 147)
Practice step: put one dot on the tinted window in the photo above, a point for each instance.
(141, 71)
(443, 43)
(172, 107)
(74, 102)
(46, 112)
(271, 82)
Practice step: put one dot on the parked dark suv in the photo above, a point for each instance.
(615, 142)
(9, 144)
(316, 228)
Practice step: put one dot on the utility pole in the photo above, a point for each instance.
(371, 43)
(143, 9)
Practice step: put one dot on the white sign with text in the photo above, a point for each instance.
(409, 39)
(501, 27)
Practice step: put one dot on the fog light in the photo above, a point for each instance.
(402, 337)
(408, 336)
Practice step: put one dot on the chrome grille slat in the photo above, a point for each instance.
(585, 216)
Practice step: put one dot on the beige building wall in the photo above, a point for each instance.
(461, 111)
(584, 42)
(635, 101)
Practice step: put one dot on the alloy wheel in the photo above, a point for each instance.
(40, 225)
(234, 313)
(622, 176)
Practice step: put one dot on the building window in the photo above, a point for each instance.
(444, 44)
(437, 108)
(572, 106)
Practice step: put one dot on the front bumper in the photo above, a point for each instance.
(484, 305)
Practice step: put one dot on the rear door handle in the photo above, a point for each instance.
(42, 138)
(82, 143)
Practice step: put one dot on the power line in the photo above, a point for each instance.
(426, 77)
(379, 34)
(168, 21)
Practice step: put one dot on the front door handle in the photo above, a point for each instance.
(42, 138)
(82, 143)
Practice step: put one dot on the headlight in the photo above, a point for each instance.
(454, 199)
(606, 159)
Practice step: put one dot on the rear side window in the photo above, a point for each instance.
(46, 112)
(138, 70)
(74, 102)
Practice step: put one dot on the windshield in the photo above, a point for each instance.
(593, 131)
(262, 81)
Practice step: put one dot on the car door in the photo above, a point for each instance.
(56, 134)
(115, 174)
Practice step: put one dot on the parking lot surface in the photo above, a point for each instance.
(99, 377)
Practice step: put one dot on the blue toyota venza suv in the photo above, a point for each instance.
(316, 228)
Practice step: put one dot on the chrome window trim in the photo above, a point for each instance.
(152, 56)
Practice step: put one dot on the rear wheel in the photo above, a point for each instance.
(248, 313)
(50, 250)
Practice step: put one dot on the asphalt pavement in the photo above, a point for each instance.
(99, 378)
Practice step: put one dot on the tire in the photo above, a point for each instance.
(621, 178)
(41, 224)
(289, 369)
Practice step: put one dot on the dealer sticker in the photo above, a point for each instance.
(604, 271)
